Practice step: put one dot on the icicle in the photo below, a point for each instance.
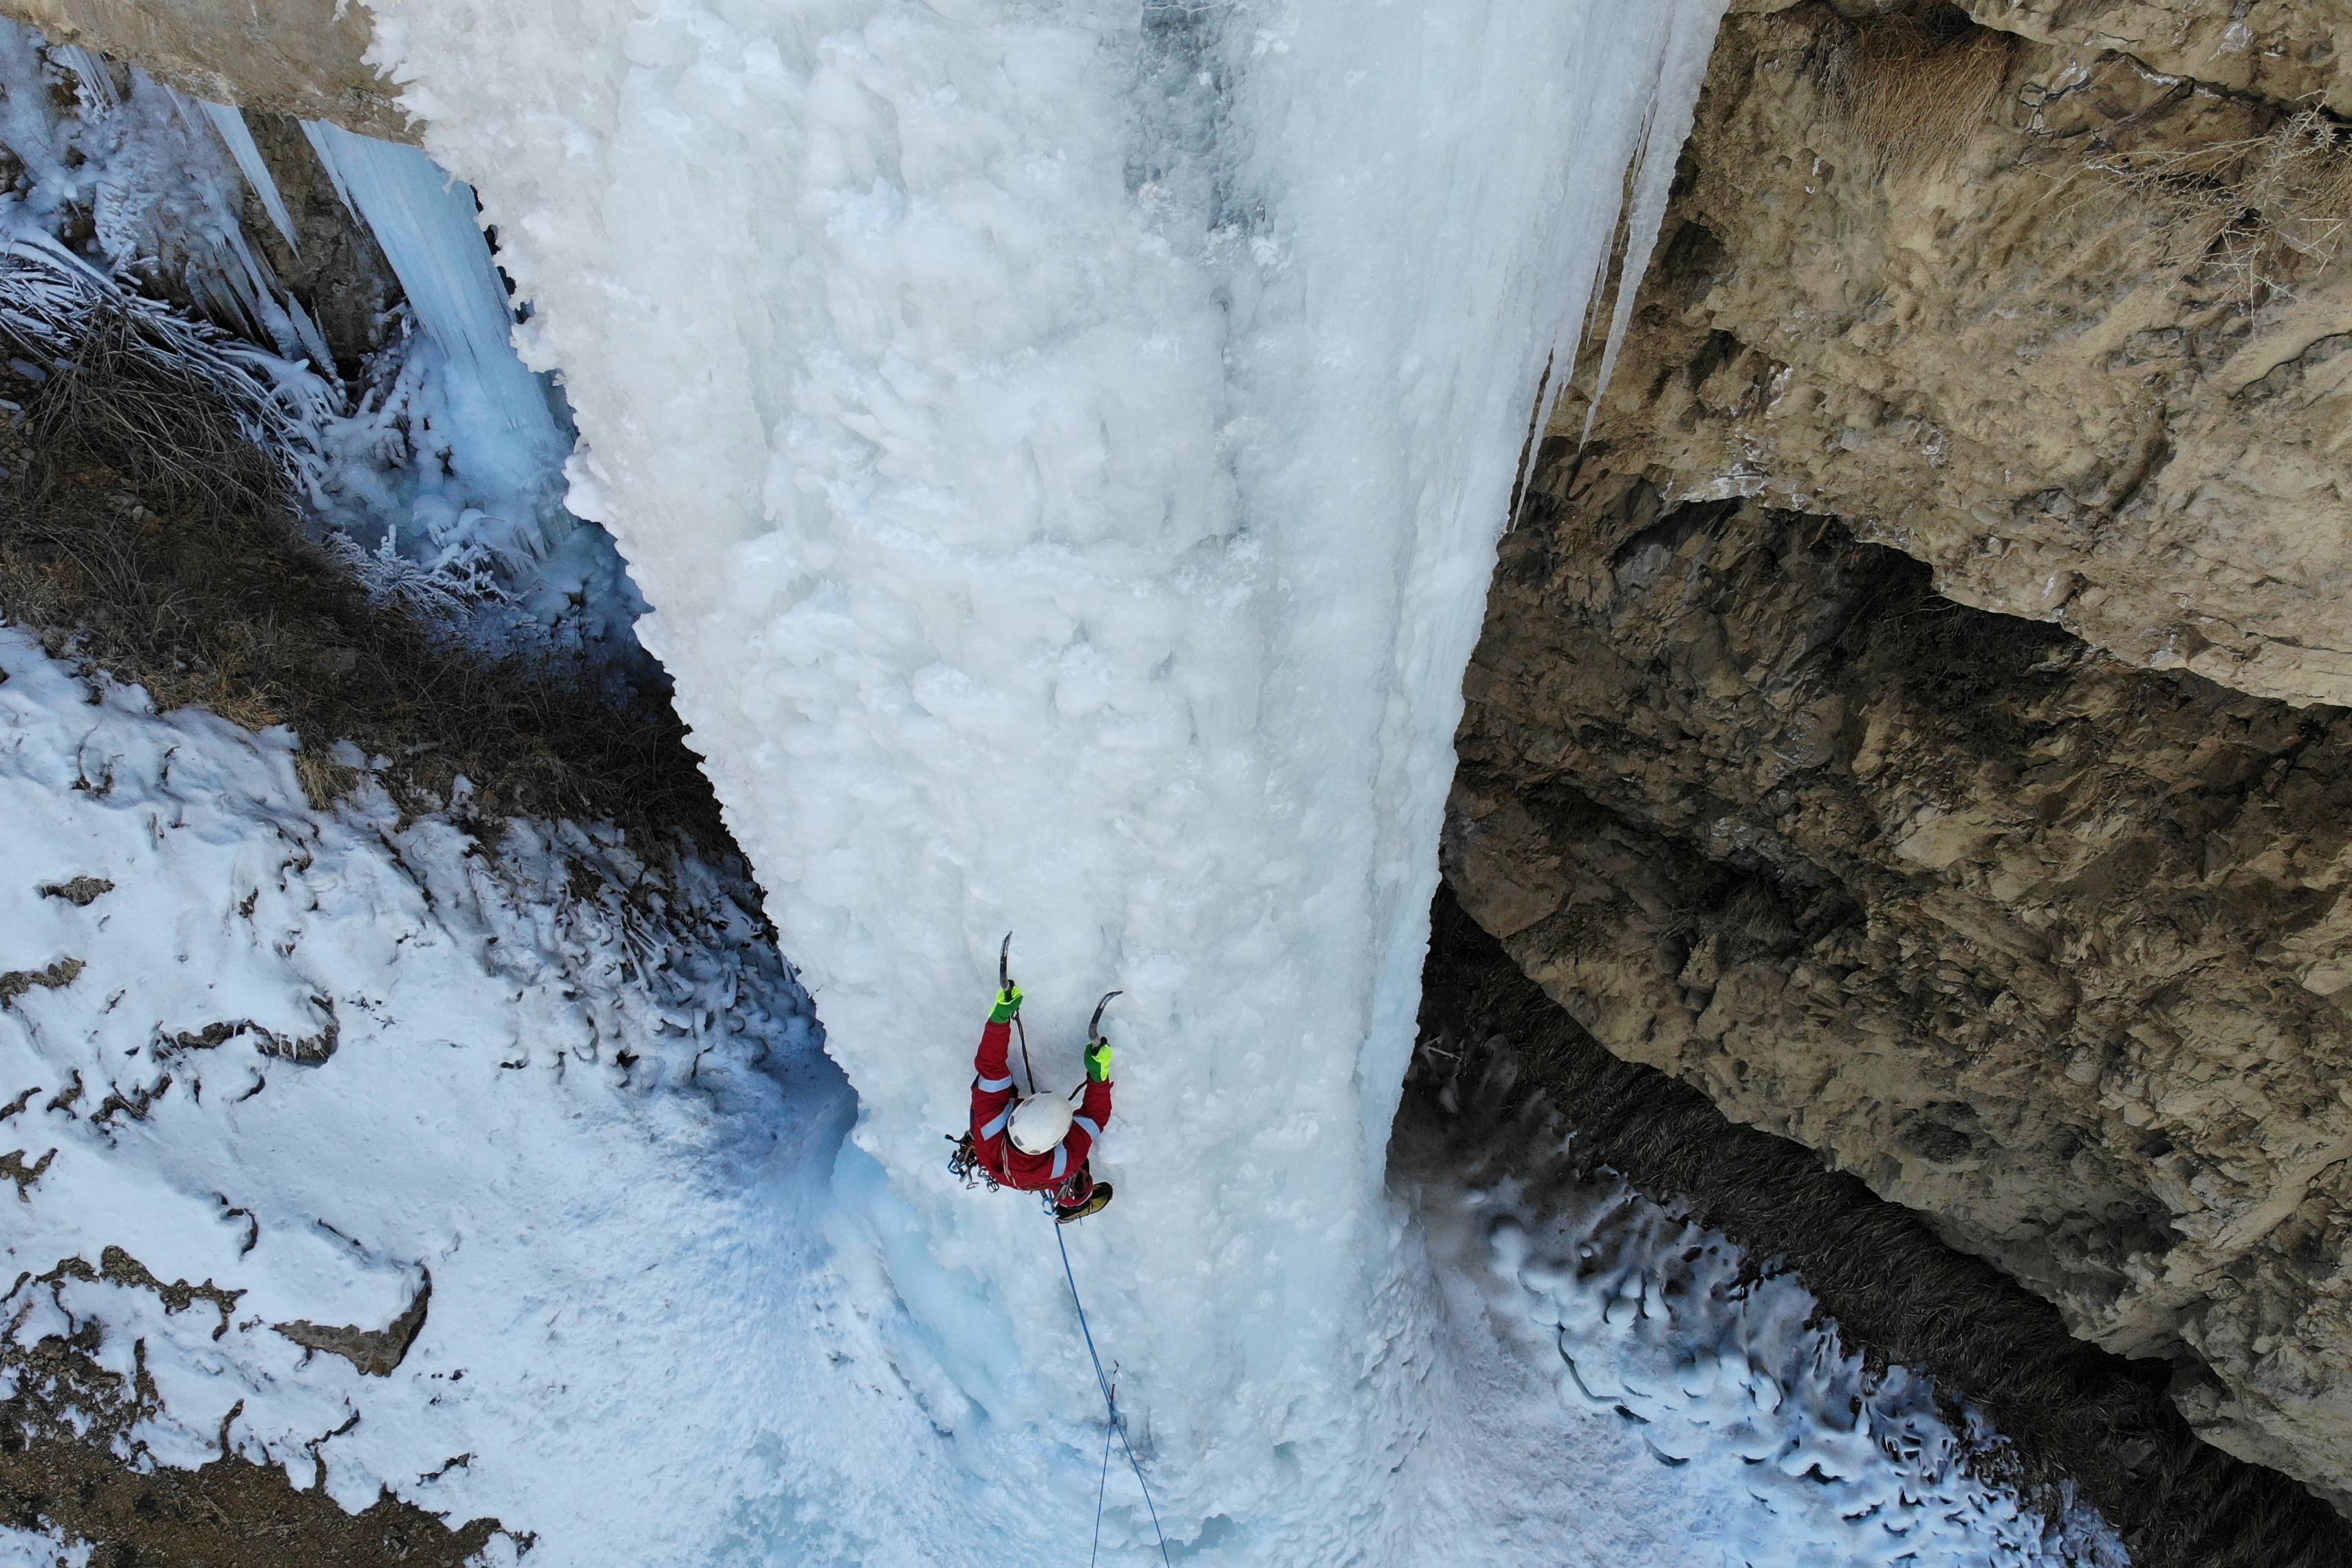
(97, 81)
(316, 131)
(238, 137)
(278, 312)
(1673, 106)
(254, 296)
(425, 221)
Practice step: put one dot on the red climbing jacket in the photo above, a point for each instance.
(992, 1119)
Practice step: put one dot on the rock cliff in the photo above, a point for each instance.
(300, 58)
(2065, 324)
(1906, 719)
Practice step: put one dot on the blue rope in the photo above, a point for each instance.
(1102, 1485)
(1111, 1402)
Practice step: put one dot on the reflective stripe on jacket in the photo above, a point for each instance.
(991, 1115)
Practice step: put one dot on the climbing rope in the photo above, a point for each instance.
(1102, 1486)
(1118, 1422)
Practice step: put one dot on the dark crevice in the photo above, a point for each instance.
(2072, 1412)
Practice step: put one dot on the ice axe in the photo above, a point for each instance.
(1095, 1039)
(1004, 988)
(1094, 1028)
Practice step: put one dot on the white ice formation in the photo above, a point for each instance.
(1064, 448)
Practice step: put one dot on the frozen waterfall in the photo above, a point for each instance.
(1064, 446)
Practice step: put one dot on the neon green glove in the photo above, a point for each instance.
(1008, 1003)
(1098, 1062)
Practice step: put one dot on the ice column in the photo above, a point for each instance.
(1065, 447)
(504, 436)
(228, 123)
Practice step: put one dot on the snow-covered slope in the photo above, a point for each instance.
(1063, 447)
(322, 1059)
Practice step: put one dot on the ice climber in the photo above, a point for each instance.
(1036, 1142)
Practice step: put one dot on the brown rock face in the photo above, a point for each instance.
(2284, 50)
(302, 58)
(2033, 919)
(2065, 324)
(2036, 943)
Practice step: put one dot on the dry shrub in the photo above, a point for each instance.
(1919, 83)
(124, 401)
(143, 532)
(2248, 217)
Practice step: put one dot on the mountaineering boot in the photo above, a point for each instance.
(1096, 1201)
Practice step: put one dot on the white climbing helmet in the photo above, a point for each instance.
(1039, 1122)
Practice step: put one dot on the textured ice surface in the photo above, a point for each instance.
(1064, 448)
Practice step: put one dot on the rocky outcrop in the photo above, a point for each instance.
(2064, 323)
(1508, 1090)
(2040, 945)
(300, 58)
(2288, 50)
(1906, 719)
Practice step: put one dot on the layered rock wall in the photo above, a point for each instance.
(2038, 944)
(2065, 324)
(1907, 718)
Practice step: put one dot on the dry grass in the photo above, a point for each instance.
(1918, 84)
(2247, 219)
(144, 533)
(124, 401)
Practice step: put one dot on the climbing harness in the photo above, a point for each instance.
(965, 1165)
(1111, 1402)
